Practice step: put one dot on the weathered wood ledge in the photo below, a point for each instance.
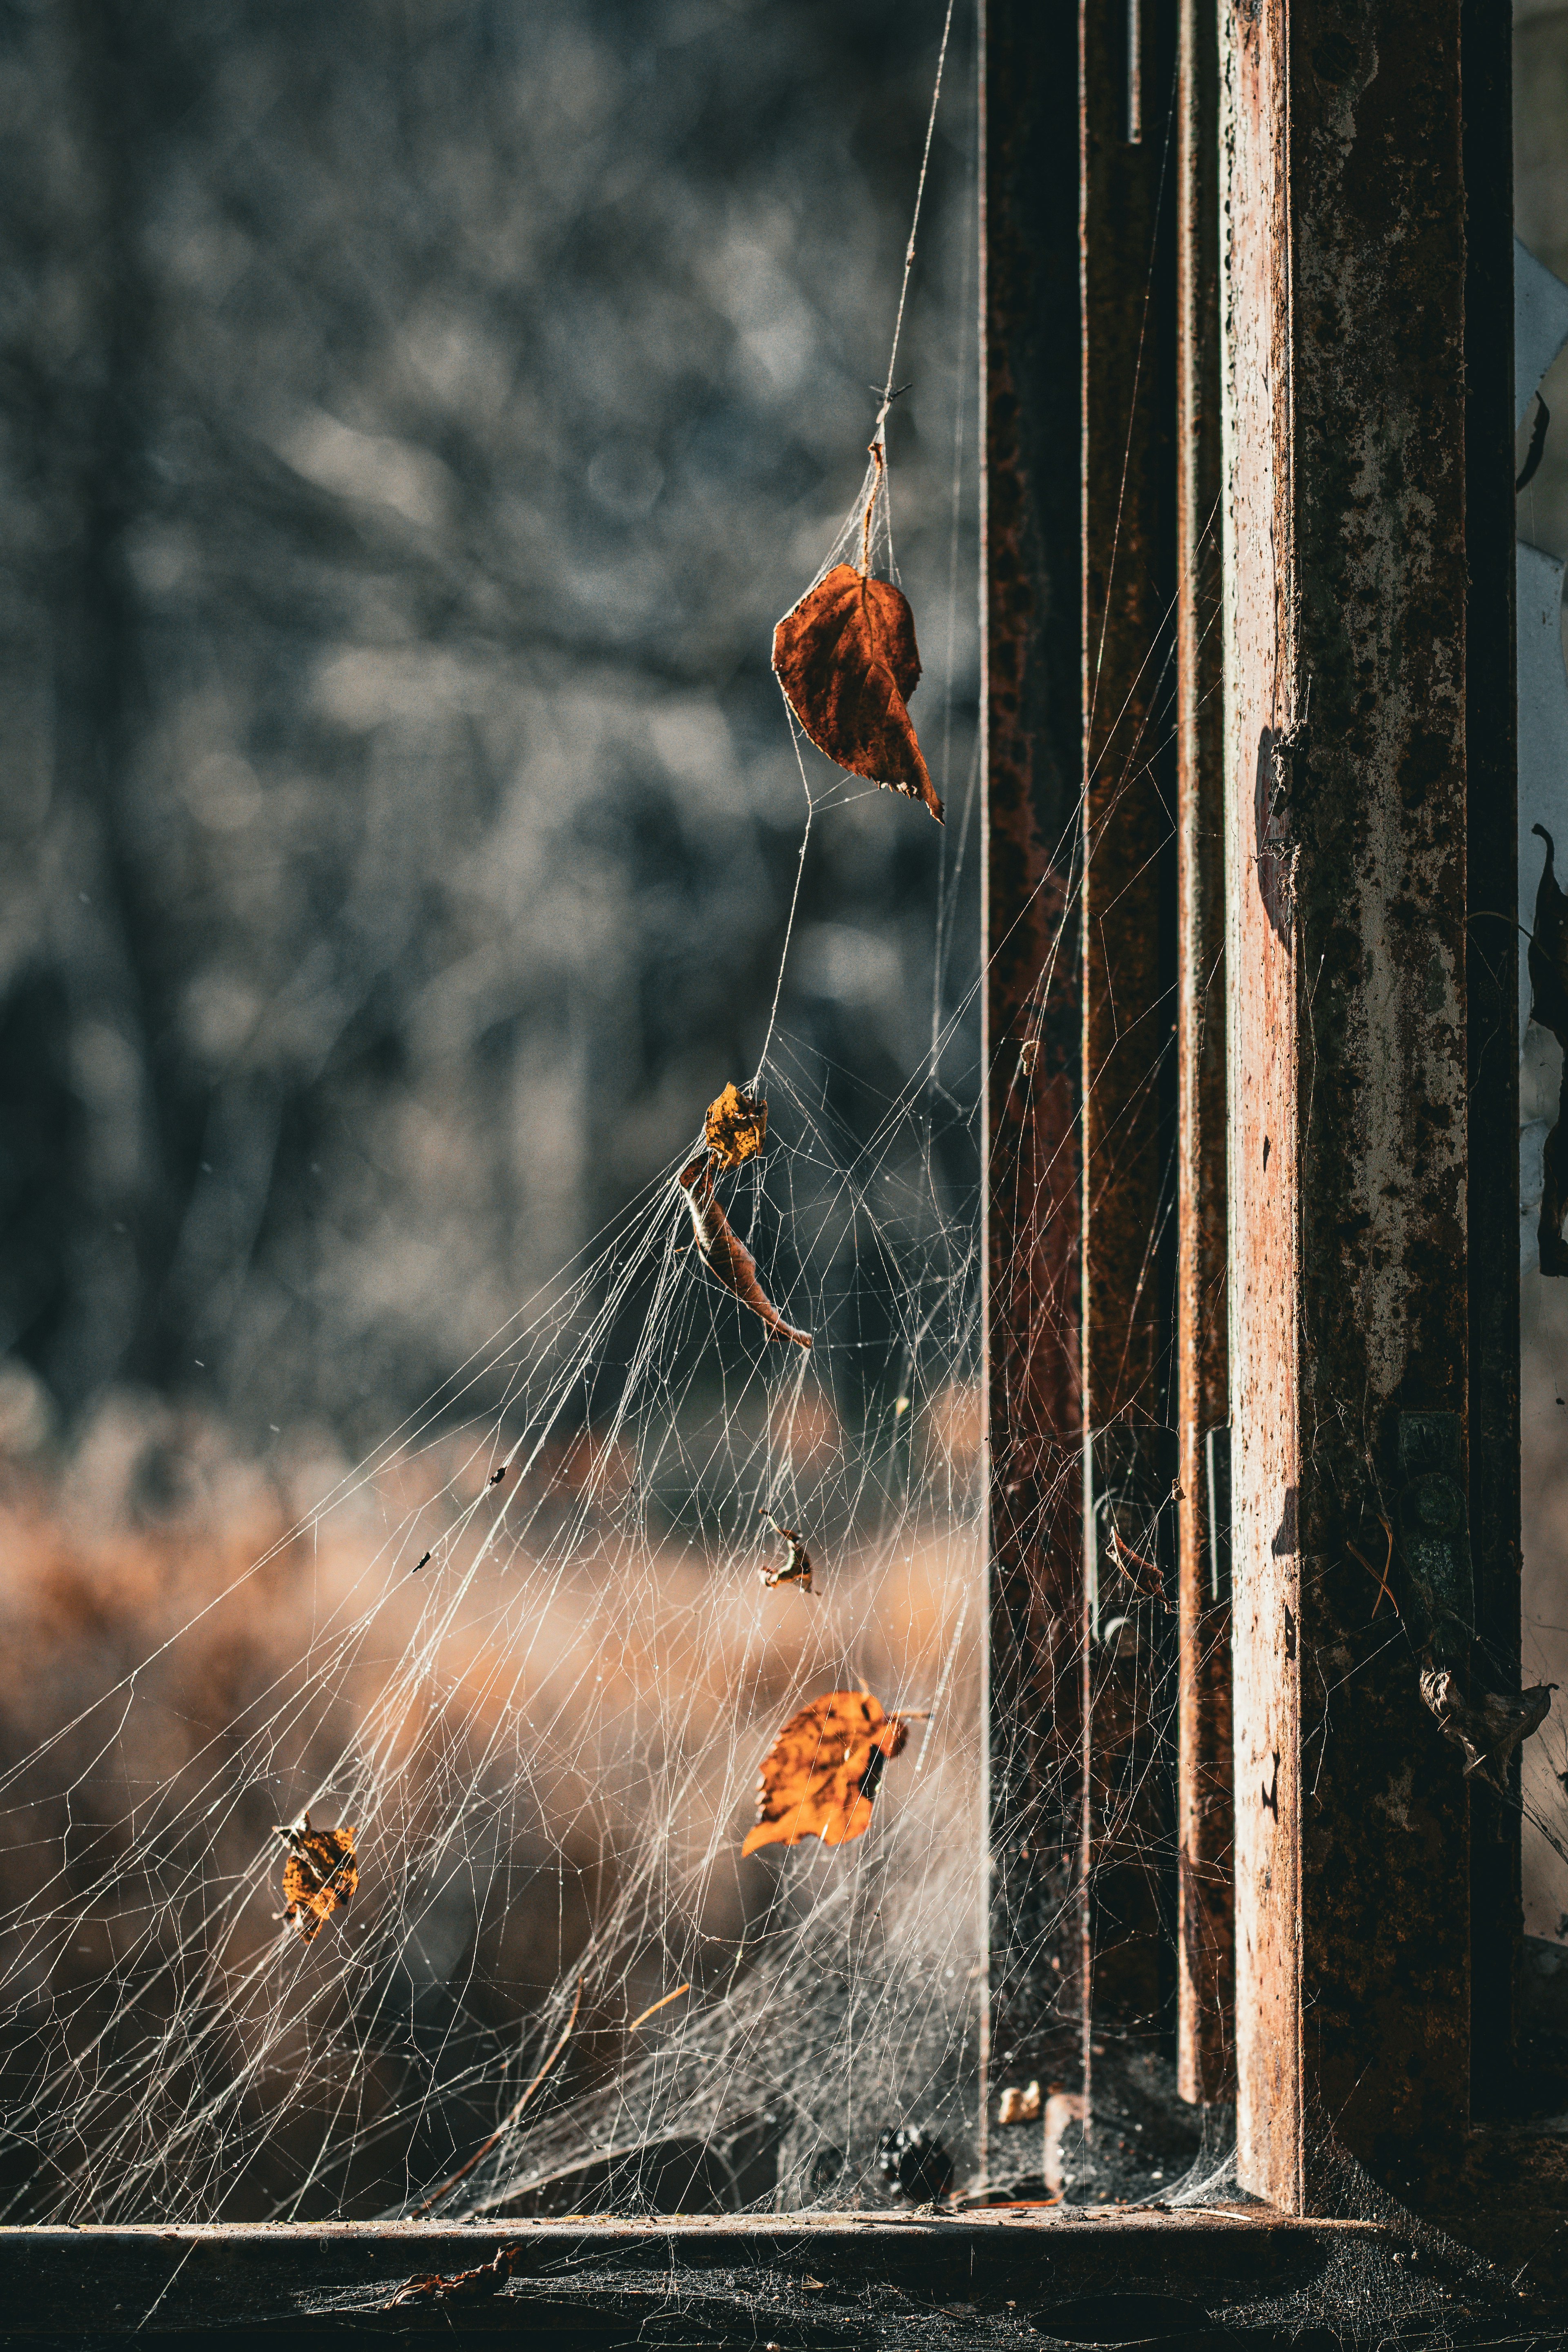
(1191, 2278)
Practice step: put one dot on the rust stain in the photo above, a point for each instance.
(1206, 2024)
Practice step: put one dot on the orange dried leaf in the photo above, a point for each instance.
(319, 1876)
(725, 1254)
(821, 1773)
(736, 1126)
(848, 663)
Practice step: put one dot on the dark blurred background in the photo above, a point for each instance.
(415, 418)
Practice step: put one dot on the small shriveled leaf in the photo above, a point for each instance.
(1489, 1726)
(736, 1126)
(463, 2287)
(319, 1876)
(848, 661)
(725, 1254)
(795, 1566)
(821, 1773)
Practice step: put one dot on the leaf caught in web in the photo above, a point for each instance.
(795, 1566)
(725, 1254)
(463, 2287)
(1491, 1726)
(821, 1773)
(848, 661)
(736, 1126)
(318, 1877)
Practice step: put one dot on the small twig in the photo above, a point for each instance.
(1380, 1578)
(879, 462)
(656, 2006)
(507, 2121)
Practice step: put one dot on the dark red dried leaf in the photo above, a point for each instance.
(848, 661)
(725, 1254)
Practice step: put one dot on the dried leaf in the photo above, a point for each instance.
(464, 2285)
(736, 1126)
(796, 1567)
(848, 661)
(1490, 1729)
(725, 1254)
(319, 1876)
(1142, 1574)
(821, 1773)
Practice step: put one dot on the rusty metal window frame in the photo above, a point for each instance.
(1251, 1223)
(1238, 437)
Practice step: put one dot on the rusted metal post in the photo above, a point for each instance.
(1205, 1926)
(1032, 1028)
(1127, 228)
(1345, 537)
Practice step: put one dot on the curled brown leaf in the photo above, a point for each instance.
(725, 1254)
(463, 2287)
(1489, 1726)
(848, 661)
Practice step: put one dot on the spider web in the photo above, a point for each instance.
(540, 1670)
(538, 1673)
(545, 1739)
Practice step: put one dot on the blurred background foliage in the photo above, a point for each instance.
(415, 418)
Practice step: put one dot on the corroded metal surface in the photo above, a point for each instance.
(1205, 1833)
(1128, 229)
(1030, 732)
(1345, 584)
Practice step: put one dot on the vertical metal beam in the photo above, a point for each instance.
(1205, 1924)
(1128, 227)
(1030, 732)
(1346, 902)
